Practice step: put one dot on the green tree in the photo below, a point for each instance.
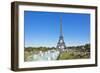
(87, 47)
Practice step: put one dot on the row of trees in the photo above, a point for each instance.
(29, 49)
(85, 47)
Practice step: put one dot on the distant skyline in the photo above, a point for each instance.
(43, 28)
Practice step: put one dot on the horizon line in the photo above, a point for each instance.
(55, 47)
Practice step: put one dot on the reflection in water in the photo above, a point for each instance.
(44, 56)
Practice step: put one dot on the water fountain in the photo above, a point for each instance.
(44, 56)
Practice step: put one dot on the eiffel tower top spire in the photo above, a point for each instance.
(61, 26)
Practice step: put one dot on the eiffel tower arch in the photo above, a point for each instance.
(61, 44)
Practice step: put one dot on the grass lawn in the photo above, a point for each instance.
(74, 55)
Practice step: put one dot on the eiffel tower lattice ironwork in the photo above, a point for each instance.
(61, 44)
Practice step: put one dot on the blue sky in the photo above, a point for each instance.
(43, 28)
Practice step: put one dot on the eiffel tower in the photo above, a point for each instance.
(61, 44)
